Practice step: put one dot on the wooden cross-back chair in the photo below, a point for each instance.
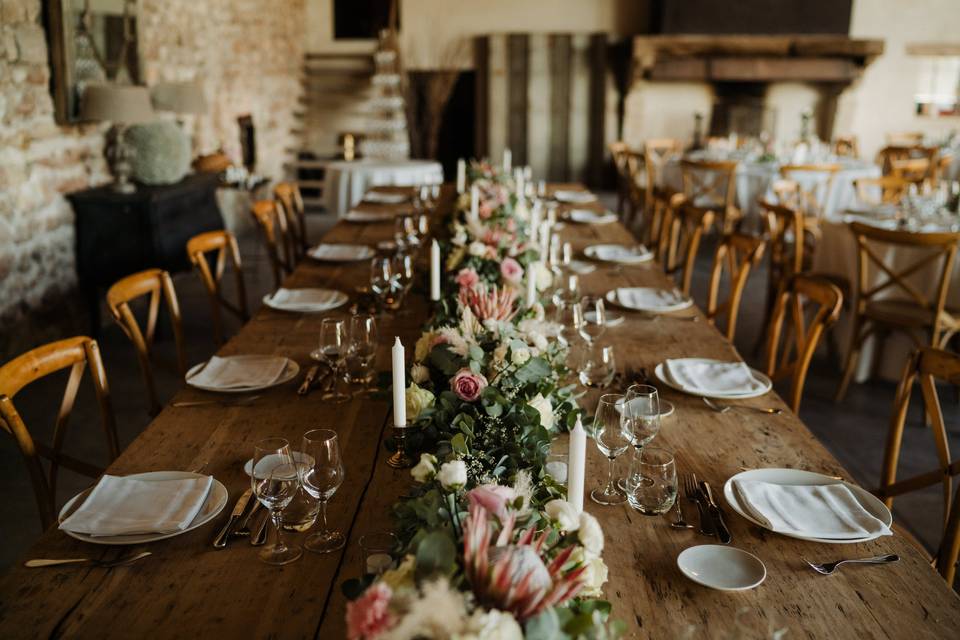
(737, 253)
(225, 245)
(156, 283)
(681, 232)
(814, 186)
(76, 353)
(923, 318)
(846, 146)
(912, 170)
(712, 185)
(619, 151)
(635, 186)
(790, 351)
(927, 365)
(275, 234)
(656, 153)
(880, 190)
(288, 195)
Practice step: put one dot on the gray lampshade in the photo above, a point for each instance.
(116, 103)
(179, 97)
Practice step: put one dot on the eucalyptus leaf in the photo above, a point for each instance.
(436, 553)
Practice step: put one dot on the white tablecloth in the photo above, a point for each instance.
(837, 254)
(346, 182)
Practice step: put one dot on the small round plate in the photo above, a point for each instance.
(299, 458)
(589, 216)
(216, 501)
(574, 197)
(597, 251)
(339, 299)
(680, 305)
(721, 567)
(764, 380)
(289, 373)
(340, 252)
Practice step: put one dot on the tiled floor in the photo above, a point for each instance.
(854, 431)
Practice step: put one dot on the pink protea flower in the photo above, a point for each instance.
(467, 278)
(511, 270)
(468, 385)
(369, 615)
(493, 498)
(493, 304)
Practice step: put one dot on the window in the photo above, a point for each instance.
(937, 89)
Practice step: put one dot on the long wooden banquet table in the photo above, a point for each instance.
(187, 588)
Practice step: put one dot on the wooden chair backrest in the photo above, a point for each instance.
(225, 245)
(869, 262)
(791, 309)
(905, 139)
(287, 194)
(911, 170)
(156, 283)
(814, 185)
(681, 232)
(927, 365)
(784, 227)
(737, 252)
(890, 189)
(846, 146)
(712, 182)
(274, 231)
(76, 353)
(656, 153)
(618, 151)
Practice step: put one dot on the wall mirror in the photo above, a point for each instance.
(90, 41)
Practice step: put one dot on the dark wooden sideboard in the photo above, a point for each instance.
(118, 234)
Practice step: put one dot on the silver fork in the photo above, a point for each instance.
(723, 408)
(691, 493)
(678, 520)
(826, 568)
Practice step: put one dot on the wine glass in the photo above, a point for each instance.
(381, 279)
(362, 350)
(598, 367)
(612, 440)
(274, 482)
(655, 494)
(402, 273)
(333, 349)
(641, 420)
(321, 475)
(594, 321)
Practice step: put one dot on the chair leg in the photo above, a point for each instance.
(853, 359)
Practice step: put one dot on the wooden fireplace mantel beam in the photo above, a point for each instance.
(754, 69)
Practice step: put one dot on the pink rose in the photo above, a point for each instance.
(493, 498)
(511, 270)
(467, 384)
(467, 278)
(485, 211)
(369, 615)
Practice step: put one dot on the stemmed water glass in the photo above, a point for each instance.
(612, 440)
(641, 422)
(382, 279)
(274, 482)
(362, 350)
(593, 320)
(321, 475)
(403, 273)
(333, 349)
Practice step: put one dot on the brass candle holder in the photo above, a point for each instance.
(400, 459)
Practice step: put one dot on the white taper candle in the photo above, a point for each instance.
(507, 160)
(435, 271)
(461, 175)
(474, 202)
(576, 466)
(399, 386)
(532, 284)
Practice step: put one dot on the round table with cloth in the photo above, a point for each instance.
(346, 182)
(836, 254)
(754, 179)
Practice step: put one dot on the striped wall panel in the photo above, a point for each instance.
(544, 97)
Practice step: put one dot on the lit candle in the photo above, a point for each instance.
(535, 216)
(435, 271)
(461, 175)
(518, 181)
(567, 253)
(399, 386)
(576, 465)
(507, 160)
(531, 284)
(544, 238)
(474, 202)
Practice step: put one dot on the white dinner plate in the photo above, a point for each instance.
(666, 408)
(383, 197)
(685, 303)
(581, 267)
(761, 378)
(299, 458)
(359, 215)
(867, 500)
(339, 299)
(289, 373)
(721, 567)
(636, 255)
(216, 501)
(588, 216)
(612, 319)
(574, 197)
(341, 252)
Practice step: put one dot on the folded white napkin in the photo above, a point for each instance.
(582, 268)
(712, 376)
(240, 372)
(586, 216)
(382, 197)
(574, 196)
(368, 215)
(120, 506)
(815, 511)
(339, 252)
(311, 300)
(649, 299)
(620, 253)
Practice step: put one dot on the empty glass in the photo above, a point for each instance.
(598, 367)
(378, 552)
(594, 322)
(321, 475)
(273, 479)
(612, 441)
(362, 350)
(641, 420)
(655, 494)
(333, 348)
(382, 279)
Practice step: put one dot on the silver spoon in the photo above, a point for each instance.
(723, 408)
(827, 568)
(103, 564)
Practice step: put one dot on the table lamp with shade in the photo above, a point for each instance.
(121, 105)
(184, 98)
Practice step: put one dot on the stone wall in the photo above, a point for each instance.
(248, 54)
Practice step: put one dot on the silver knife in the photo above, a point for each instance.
(244, 528)
(723, 534)
(308, 380)
(221, 540)
(260, 537)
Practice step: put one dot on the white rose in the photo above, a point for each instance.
(543, 405)
(460, 237)
(425, 469)
(494, 625)
(453, 475)
(544, 276)
(539, 313)
(520, 356)
(423, 346)
(419, 373)
(563, 514)
(591, 535)
(477, 248)
(538, 339)
(594, 577)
